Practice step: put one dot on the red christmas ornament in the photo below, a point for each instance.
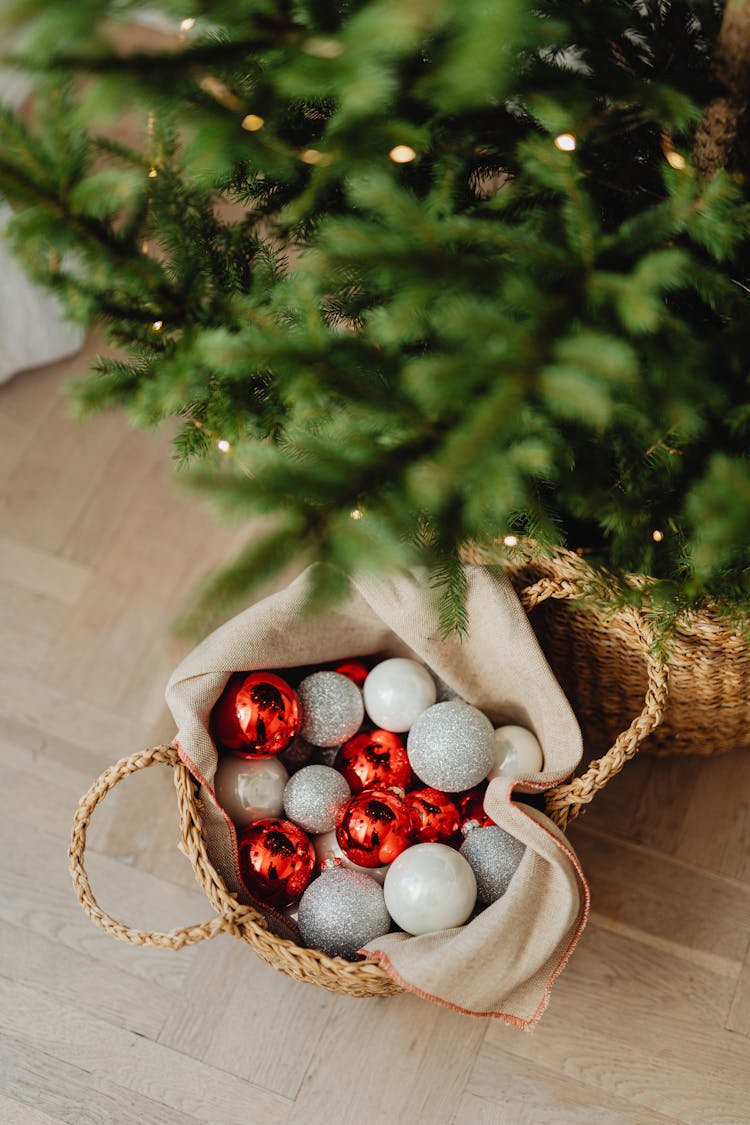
(374, 828)
(353, 671)
(375, 758)
(277, 860)
(471, 806)
(434, 817)
(257, 715)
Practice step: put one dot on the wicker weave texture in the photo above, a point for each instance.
(600, 662)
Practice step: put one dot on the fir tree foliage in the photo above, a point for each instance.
(353, 244)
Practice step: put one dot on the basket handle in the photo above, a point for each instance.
(230, 921)
(566, 801)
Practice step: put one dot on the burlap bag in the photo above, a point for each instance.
(503, 962)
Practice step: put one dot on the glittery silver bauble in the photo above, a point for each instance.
(341, 911)
(332, 708)
(314, 797)
(450, 746)
(493, 855)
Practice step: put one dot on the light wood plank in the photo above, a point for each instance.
(14, 440)
(104, 643)
(504, 1088)
(399, 1058)
(30, 568)
(15, 1113)
(717, 818)
(53, 481)
(631, 1022)
(29, 625)
(739, 1013)
(44, 706)
(146, 1068)
(31, 396)
(236, 992)
(69, 765)
(73, 978)
(128, 474)
(39, 1082)
(36, 894)
(695, 909)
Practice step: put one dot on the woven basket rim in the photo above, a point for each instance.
(560, 562)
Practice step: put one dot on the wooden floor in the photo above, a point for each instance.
(99, 548)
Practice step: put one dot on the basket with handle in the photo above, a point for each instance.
(363, 978)
(600, 659)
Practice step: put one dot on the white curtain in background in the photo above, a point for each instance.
(32, 331)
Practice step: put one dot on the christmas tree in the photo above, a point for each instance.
(415, 275)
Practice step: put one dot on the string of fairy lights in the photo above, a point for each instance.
(398, 154)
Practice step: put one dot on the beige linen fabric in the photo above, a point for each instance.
(504, 961)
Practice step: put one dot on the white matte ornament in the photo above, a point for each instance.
(396, 692)
(250, 789)
(341, 911)
(328, 851)
(429, 887)
(315, 797)
(332, 708)
(517, 753)
(450, 746)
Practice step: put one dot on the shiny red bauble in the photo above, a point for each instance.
(353, 671)
(435, 817)
(257, 715)
(374, 828)
(375, 758)
(471, 806)
(277, 860)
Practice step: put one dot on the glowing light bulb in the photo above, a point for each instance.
(311, 156)
(356, 514)
(402, 154)
(153, 174)
(510, 541)
(187, 24)
(251, 123)
(675, 160)
(157, 325)
(657, 536)
(566, 142)
(223, 445)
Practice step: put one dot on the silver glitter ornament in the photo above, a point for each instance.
(493, 855)
(450, 746)
(341, 911)
(332, 708)
(314, 797)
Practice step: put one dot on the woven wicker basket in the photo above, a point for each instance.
(600, 662)
(359, 978)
